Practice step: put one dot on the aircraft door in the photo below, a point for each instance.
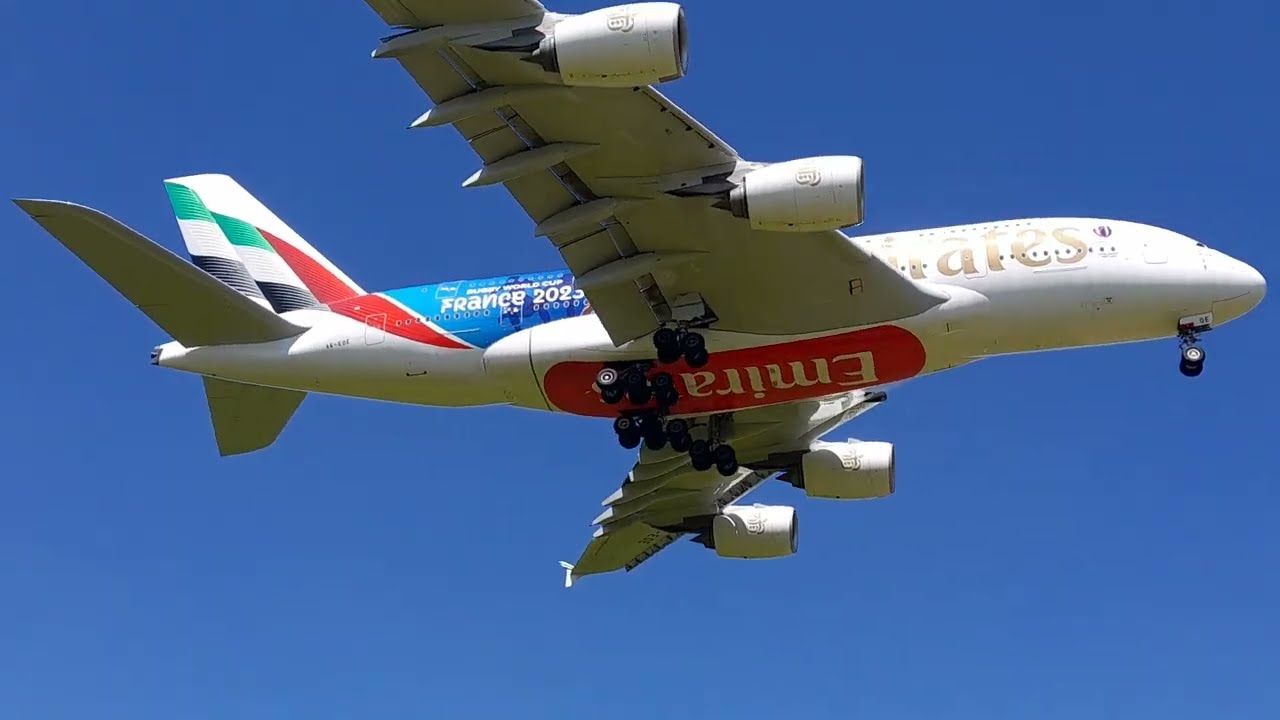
(375, 329)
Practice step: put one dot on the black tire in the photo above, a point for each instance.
(662, 380)
(727, 468)
(724, 453)
(624, 423)
(634, 378)
(697, 358)
(639, 394)
(665, 338)
(655, 441)
(607, 377)
(691, 342)
(1190, 369)
(1193, 355)
(677, 426)
(613, 395)
(667, 397)
(681, 443)
(666, 356)
(629, 440)
(701, 463)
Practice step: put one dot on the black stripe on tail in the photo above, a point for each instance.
(231, 272)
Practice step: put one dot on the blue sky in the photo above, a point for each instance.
(1075, 534)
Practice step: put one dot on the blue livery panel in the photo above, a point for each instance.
(481, 312)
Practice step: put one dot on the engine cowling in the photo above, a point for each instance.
(848, 470)
(755, 532)
(623, 46)
(821, 193)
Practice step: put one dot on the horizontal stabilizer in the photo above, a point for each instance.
(248, 417)
(194, 307)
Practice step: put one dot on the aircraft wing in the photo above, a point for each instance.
(620, 180)
(663, 498)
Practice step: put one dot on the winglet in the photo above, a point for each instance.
(568, 573)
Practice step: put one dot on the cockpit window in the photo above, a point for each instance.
(1200, 244)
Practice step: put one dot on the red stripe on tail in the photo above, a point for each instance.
(327, 287)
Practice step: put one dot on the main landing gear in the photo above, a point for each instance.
(656, 432)
(634, 382)
(673, 344)
(651, 393)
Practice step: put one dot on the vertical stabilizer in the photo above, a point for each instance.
(290, 274)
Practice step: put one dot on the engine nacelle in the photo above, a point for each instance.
(848, 471)
(756, 531)
(623, 46)
(822, 193)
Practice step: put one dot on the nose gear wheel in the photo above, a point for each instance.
(1191, 362)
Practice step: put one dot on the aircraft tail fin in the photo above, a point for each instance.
(228, 231)
(248, 417)
(194, 307)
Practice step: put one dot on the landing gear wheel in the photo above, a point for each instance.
(633, 377)
(726, 460)
(678, 433)
(639, 394)
(607, 378)
(669, 355)
(629, 439)
(691, 342)
(1192, 363)
(655, 441)
(697, 358)
(623, 424)
(664, 389)
(700, 455)
(612, 394)
(667, 342)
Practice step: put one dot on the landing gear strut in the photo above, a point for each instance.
(1192, 361)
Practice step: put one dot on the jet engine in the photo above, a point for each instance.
(822, 193)
(847, 471)
(623, 46)
(755, 532)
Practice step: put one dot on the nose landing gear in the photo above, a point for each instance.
(1189, 328)
(1192, 363)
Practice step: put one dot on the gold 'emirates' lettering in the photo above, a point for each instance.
(1030, 247)
(841, 371)
(1024, 248)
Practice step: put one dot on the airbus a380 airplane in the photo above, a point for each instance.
(712, 307)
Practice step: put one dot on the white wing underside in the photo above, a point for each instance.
(608, 175)
(662, 489)
(610, 157)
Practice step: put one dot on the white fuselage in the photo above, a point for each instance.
(1013, 287)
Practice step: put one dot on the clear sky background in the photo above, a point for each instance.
(1082, 534)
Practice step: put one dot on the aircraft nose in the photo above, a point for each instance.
(1241, 286)
(1257, 284)
(1246, 280)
